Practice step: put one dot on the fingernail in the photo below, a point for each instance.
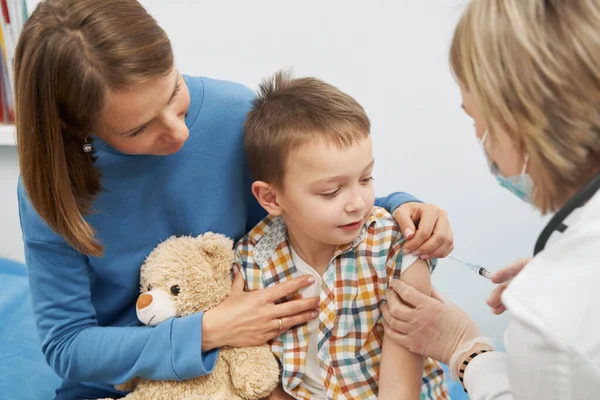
(416, 253)
(310, 279)
(408, 232)
(425, 257)
(405, 251)
(314, 314)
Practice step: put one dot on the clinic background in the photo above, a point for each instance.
(392, 56)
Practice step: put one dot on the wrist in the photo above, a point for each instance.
(478, 348)
(209, 336)
(464, 350)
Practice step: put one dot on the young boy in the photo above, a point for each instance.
(310, 153)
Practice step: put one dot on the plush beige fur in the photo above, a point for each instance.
(200, 266)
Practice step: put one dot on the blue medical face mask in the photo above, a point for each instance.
(520, 185)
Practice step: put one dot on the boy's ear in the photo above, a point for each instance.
(267, 197)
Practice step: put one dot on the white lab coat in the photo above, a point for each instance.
(553, 337)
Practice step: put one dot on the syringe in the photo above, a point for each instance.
(478, 269)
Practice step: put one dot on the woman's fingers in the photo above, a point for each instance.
(293, 307)
(288, 322)
(285, 289)
(441, 242)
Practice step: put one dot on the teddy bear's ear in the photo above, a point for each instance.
(218, 249)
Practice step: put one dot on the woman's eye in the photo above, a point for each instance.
(367, 180)
(175, 289)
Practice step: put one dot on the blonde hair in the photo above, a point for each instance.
(289, 111)
(533, 69)
(69, 54)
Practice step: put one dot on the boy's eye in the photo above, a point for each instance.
(149, 287)
(330, 194)
(369, 179)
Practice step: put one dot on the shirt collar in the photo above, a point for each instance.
(276, 238)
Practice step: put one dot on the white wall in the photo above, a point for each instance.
(392, 56)
(11, 245)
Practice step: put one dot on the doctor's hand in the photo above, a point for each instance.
(502, 278)
(425, 325)
(427, 229)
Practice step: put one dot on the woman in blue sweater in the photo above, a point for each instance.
(118, 151)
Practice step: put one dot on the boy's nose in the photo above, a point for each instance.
(357, 204)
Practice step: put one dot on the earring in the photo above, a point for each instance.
(87, 148)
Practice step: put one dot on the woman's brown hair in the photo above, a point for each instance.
(69, 54)
(533, 69)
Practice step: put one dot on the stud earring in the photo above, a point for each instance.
(87, 148)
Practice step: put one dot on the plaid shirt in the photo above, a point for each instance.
(350, 320)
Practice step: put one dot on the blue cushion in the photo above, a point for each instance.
(24, 374)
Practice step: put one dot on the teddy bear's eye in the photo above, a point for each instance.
(175, 289)
(149, 287)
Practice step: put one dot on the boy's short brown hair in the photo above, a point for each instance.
(288, 112)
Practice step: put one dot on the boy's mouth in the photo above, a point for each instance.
(352, 226)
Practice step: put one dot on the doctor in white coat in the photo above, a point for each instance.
(529, 72)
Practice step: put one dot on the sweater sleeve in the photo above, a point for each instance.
(395, 200)
(78, 349)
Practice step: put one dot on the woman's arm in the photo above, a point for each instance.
(78, 349)
(402, 371)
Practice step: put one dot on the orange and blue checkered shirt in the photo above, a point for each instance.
(350, 333)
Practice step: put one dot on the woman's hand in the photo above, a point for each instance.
(502, 278)
(425, 325)
(432, 237)
(279, 394)
(252, 318)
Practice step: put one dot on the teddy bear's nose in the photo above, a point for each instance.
(143, 301)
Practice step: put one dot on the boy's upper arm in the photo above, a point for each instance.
(418, 276)
(411, 269)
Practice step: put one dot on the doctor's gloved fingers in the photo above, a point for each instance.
(498, 310)
(495, 298)
(394, 323)
(510, 271)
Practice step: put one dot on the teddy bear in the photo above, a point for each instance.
(185, 275)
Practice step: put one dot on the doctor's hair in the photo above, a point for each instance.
(69, 55)
(290, 112)
(533, 70)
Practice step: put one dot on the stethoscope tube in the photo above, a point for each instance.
(557, 221)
